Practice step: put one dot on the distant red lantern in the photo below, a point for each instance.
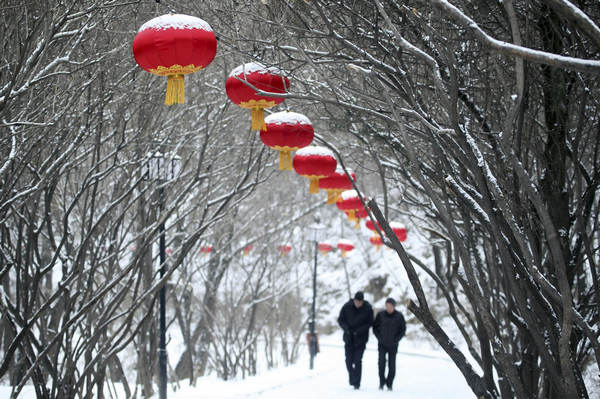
(358, 214)
(399, 230)
(376, 241)
(169, 251)
(206, 250)
(324, 247)
(239, 90)
(247, 249)
(369, 225)
(285, 249)
(314, 163)
(336, 183)
(349, 202)
(345, 246)
(286, 132)
(174, 45)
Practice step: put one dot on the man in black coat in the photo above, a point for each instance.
(356, 318)
(389, 328)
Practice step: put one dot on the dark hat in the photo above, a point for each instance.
(391, 300)
(359, 296)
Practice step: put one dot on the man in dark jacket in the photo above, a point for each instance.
(389, 328)
(356, 318)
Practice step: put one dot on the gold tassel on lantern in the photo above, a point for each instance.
(258, 119)
(175, 89)
(352, 215)
(285, 160)
(344, 253)
(331, 197)
(313, 188)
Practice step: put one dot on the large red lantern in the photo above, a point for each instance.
(345, 246)
(285, 249)
(174, 45)
(314, 163)
(239, 87)
(324, 247)
(247, 249)
(399, 230)
(337, 182)
(286, 132)
(349, 202)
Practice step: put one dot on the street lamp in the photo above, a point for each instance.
(160, 169)
(317, 229)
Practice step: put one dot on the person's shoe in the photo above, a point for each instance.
(389, 387)
(381, 387)
(357, 387)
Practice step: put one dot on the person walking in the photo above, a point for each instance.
(389, 328)
(356, 319)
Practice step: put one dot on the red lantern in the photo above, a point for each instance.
(359, 214)
(345, 246)
(349, 202)
(286, 132)
(174, 45)
(369, 225)
(399, 230)
(206, 250)
(285, 249)
(376, 241)
(324, 247)
(239, 90)
(314, 163)
(336, 183)
(247, 249)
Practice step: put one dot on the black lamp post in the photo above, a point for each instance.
(312, 342)
(162, 169)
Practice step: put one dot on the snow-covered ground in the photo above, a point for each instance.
(421, 374)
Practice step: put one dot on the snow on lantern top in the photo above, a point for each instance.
(345, 242)
(176, 21)
(287, 117)
(397, 225)
(315, 150)
(252, 67)
(349, 194)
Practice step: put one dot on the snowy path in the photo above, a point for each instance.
(420, 375)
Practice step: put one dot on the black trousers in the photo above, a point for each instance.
(391, 360)
(354, 356)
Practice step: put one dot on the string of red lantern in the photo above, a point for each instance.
(174, 45)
